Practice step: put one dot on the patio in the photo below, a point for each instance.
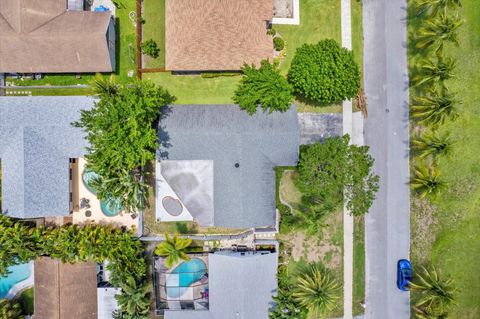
(88, 209)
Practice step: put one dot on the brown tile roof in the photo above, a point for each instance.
(65, 290)
(41, 36)
(216, 34)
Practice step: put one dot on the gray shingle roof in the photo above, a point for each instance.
(245, 196)
(241, 287)
(36, 143)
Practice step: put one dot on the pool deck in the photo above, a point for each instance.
(97, 217)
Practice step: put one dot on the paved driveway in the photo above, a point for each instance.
(387, 134)
(318, 126)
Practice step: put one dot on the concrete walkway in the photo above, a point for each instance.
(346, 21)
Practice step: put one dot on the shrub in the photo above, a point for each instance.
(278, 43)
(150, 48)
(271, 32)
(324, 72)
(265, 87)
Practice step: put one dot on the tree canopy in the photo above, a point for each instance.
(324, 72)
(264, 87)
(334, 171)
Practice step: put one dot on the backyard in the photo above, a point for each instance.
(445, 231)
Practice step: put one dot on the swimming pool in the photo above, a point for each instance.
(110, 207)
(185, 274)
(17, 274)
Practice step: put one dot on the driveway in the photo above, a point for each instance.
(387, 134)
(318, 126)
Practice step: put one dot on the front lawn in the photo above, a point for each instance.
(446, 231)
(26, 301)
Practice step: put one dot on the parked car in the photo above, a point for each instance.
(404, 274)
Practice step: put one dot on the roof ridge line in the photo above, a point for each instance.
(44, 24)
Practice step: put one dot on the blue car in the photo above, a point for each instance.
(404, 274)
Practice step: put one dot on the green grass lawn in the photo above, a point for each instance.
(193, 89)
(454, 231)
(358, 266)
(154, 28)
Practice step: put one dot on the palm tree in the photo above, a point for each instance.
(438, 31)
(436, 294)
(10, 309)
(433, 144)
(134, 300)
(316, 290)
(173, 249)
(435, 6)
(426, 181)
(102, 85)
(433, 71)
(435, 107)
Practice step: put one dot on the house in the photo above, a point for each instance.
(216, 164)
(64, 290)
(37, 143)
(45, 37)
(216, 35)
(241, 286)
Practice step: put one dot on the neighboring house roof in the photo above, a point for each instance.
(42, 36)
(240, 287)
(65, 290)
(36, 143)
(216, 34)
(243, 196)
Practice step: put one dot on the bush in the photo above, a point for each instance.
(265, 87)
(271, 32)
(324, 72)
(278, 43)
(150, 48)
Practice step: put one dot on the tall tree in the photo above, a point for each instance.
(134, 302)
(264, 87)
(317, 290)
(433, 144)
(435, 71)
(173, 248)
(435, 107)
(436, 293)
(438, 31)
(433, 7)
(427, 181)
(10, 310)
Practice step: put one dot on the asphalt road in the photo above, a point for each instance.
(387, 134)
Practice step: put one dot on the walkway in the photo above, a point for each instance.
(347, 218)
(387, 225)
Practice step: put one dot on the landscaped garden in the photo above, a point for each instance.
(445, 162)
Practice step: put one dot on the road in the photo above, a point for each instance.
(387, 133)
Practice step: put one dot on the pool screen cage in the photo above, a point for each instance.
(171, 294)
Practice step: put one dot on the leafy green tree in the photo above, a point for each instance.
(324, 72)
(426, 181)
(433, 144)
(435, 71)
(317, 290)
(438, 31)
(134, 301)
(150, 48)
(435, 293)
(334, 171)
(173, 248)
(10, 309)
(122, 137)
(264, 87)
(433, 7)
(435, 107)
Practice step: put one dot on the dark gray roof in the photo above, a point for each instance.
(240, 287)
(244, 196)
(36, 143)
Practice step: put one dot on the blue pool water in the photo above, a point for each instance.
(112, 206)
(17, 274)
(188, 272)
